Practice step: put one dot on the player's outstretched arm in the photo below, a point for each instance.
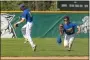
(16, 24)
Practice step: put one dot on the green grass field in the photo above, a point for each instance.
(45, 47)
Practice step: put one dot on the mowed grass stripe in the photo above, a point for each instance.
(45, 47)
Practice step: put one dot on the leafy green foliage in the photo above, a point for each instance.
(33, 5)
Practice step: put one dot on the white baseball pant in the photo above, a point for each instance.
(26, 31)
(68, 40)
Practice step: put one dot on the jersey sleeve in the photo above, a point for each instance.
(74, 25)
(24, 14)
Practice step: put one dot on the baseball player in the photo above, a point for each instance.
(68, 29)
(26, 29)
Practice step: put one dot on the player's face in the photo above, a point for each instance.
(66, 21)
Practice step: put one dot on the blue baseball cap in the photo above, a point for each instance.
(66, 17)
(21, 5)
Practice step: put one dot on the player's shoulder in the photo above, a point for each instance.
(71, 23)
(26, 11)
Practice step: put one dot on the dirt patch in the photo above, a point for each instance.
(46, 58)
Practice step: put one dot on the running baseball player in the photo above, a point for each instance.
(26, 29)
(68, 29)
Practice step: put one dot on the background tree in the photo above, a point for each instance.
(33, 5)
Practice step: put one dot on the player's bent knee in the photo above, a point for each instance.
(65, 43)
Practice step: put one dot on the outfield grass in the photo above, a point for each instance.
(45, 47)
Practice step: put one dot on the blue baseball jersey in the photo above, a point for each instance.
(26, 15)
(70, 28)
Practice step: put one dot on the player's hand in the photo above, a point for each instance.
(15, 25)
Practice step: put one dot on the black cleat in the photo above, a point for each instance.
(34, 48)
